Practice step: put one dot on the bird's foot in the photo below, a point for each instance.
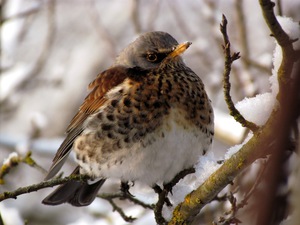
(125, 189)
(162, 192)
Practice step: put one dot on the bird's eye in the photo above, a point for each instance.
(151, 57)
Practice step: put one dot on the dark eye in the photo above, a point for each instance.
(151, 57)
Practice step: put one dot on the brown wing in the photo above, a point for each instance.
(96, 98)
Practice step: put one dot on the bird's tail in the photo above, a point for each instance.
(76, 193)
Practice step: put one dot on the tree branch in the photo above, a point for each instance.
(41, 185)
(289, 55)
(263, 142)
(14, 160)
(229, 59)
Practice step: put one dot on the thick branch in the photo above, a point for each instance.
(265, 141)
(196, 200)
(289, 55)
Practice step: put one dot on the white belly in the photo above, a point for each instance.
(158, 158)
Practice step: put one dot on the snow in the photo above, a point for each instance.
(11, 156)
(257, 109)
(206, 166)
(234, 149)
(227, 127)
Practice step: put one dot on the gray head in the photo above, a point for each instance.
(150, 49)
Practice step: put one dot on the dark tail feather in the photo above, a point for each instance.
(86, 193)
(76, 193)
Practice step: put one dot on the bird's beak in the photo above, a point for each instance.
(179, 49)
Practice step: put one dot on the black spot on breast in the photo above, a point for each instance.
(157, 104)
(143, 115)
(124, 122)
(135, 120)
(118, 144)
(126, 140)
(127, 110)
(110, 117)
(100, 116)
(123, 131)
(147, 105)
(127, 102)
(114, 103)
(91, 154)
(106, 127)
(110, 135)
(169, 85)
(157, 115)
(137, 106)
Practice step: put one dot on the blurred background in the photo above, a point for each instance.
(52, 49)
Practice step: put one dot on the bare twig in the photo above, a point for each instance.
(41, 185)
(242, 31)
(25, 13)
(128, 197)
(41, 60)
(163, 193)
(229, 59)
(279, 8)
(135, 16)
(16, 160)
(253, 188)
(119, 210)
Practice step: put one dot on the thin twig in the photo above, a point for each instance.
(162, 195)
(128, 197)
(242, 31)
(135, 16)
(279, 8)
(120, 211)
(253, 188)
(15, 160)
(229, 59)
(26, 13)
(41, 185)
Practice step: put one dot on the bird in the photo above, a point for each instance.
(145, 119)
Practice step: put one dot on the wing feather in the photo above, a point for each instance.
(104, 82)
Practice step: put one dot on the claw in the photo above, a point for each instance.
(125, 189)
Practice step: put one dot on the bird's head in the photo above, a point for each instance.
(151, 49)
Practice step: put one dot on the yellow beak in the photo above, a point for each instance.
(180, 49)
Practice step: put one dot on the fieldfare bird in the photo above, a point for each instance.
(146, 119)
